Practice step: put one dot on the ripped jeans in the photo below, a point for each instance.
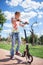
(15, 36)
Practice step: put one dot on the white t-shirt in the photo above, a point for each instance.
(17, 25)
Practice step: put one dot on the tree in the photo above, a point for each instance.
(31, 39)
(32, 33)
(2, 20)
(41, 39)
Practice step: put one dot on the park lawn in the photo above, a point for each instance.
(34, 50)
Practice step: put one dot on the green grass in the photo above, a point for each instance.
(37, 51)
(5, 46)
(34, 50)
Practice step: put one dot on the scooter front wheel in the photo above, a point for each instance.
(29, 59)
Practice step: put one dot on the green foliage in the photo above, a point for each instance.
(0, 28)
(41, 39)
(30, 39)
(2, 19)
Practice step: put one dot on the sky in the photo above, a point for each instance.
(31, 11)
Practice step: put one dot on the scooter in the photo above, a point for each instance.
(26, 53)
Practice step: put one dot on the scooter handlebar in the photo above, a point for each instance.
(26, 23)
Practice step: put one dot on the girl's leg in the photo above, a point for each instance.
(18, 38)
(12, 46)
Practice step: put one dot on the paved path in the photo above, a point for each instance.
(5, 59)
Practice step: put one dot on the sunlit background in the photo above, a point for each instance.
(31, 11)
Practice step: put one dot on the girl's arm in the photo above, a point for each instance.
(13, 23)
(23, 24)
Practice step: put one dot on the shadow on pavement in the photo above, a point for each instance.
(5, 60)
(19, 61)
